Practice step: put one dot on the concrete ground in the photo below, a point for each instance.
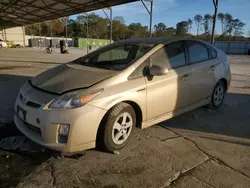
(202, 148)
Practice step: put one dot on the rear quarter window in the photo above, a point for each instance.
(212, 52)
(197, 52)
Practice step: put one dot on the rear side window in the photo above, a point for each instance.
(197, 52)
(176, 54)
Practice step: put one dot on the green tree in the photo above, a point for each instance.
(221, 17)
(198, 20)
(137, 30)
(57, 28)
(120, 30)
(32, 29)
(207, 23)
(120, 19)
(237, 27)
(227, 24)
(182, 28)
(76, 29)
(190, 23)
(97, 26)
(171, 31)
(160, 30)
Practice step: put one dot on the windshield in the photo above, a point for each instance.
(114, 57)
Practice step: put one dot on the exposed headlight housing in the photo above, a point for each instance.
(73, 100)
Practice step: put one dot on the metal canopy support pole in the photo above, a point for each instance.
(40, 33)
(24, 45)
(87, 15)
(111, 26)
(151, 18)
(51, 28)
(110, 22)
(5, 35)
(66, 33)
(150, 12)
(214, 19)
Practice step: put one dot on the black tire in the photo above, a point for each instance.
(105, 131)
(214, 103)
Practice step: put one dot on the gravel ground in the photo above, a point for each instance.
(202, 148)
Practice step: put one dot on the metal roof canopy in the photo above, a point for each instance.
(23, 12)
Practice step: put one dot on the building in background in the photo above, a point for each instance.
(15, 34)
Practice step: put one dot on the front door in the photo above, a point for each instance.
(169, 92)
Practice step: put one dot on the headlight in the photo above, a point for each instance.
(73, 100)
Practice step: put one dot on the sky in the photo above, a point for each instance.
(171, 12)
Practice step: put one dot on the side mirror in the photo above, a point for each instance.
(156, 70)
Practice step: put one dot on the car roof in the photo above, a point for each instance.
(156, 40)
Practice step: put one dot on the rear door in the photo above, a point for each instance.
(169, 92)
(202, 63)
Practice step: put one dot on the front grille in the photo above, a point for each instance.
(33, 128)
(32, 104)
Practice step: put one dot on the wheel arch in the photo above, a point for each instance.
(224, 81)
(138, 112)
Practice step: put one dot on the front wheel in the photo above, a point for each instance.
(218, 95)
(117, 127)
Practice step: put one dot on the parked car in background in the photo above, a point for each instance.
(3, 44)
(17, 46)
(99, 99)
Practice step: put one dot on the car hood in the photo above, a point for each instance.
(70, 76)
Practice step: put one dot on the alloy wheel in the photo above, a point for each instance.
(218, 95)
(122, 128)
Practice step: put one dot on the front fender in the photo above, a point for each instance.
(131, 90)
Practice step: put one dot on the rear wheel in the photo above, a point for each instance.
(218, 95)
(117, 127)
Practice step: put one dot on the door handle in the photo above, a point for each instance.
(185, 76)
(212, 68)
(142, 89)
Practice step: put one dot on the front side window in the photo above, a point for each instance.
(141, 70)
(171, 56)
(160, 58)
(197, 52)
(115, 56)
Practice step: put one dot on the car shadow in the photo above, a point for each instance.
(9, 88)
(14, 165)
(32, 61)
(231, 119)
